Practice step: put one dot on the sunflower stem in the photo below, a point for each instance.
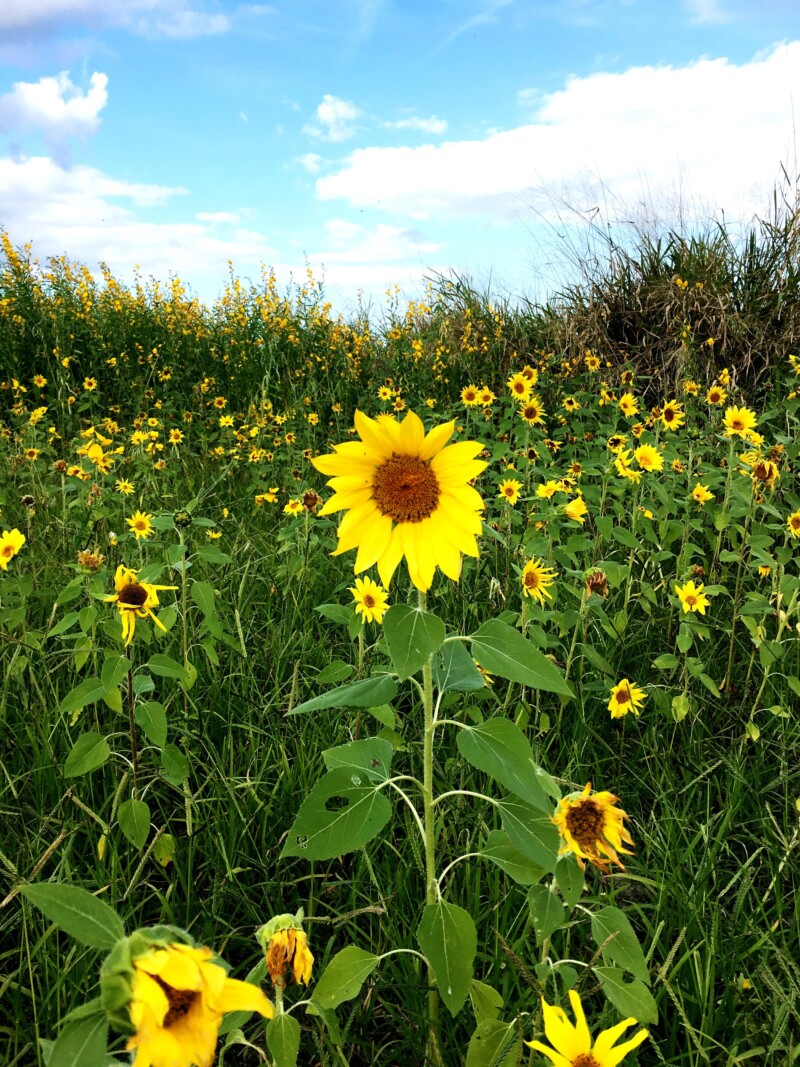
(132, 727)
(433, 1050)
(727, 679)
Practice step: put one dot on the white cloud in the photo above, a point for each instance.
(706, 12)
(432, 125)
(606, 135)
(332, 119)
(310, 162)
(171, 18)
(54, 106)
(350, 242)
(230, 218)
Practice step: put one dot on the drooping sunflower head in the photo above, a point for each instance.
(592, 827)
(286, 946)
(407, 494)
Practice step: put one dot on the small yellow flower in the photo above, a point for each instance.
(628, 405)
(90, 384)
(537, 579)
(716, 395)
(625, 697)
(509, 490)
(520, 386)
(11, 541)
(692, 597)
(370, 600)
(470, 396)
(124, 486)
(701, 494)
(140, 523)
(573, 1045)
(294, 507)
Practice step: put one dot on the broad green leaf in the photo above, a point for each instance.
(547, 911)
(83, 1043)
(344, 976)
(76, 911)
(165, 667)
(502, 650)
(367, 693)
(625, 537)
(454, 668)
(174, 764)
(486, 1001)
(151, 718)
(412, 637)
(336, 613)
(328, 1016)
(336, 671)
(134, 821)
(283, 1039)
(210, 554)
(203, 595)
(531, 831)
(449, 941)
(89, 690)
(494, 1044)
(371, 757)
(632, 999)
(685, 638)
(88, 753)
(336, 817)
(498, 747)
(113, 699)
(508, 858)
(64, 624)
(570, 879)
(666, 662)
(115, 668)
(614, 934)
(164, 849)
(681, 706)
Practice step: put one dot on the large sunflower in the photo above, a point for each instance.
(406, 493)
(592, 827)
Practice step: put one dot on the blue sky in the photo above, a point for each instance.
(384, 140)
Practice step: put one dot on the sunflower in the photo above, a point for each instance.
(520, 386)
(673, 415)
(537, 579)
(571, 404)
(716, 395)
(470, 396)
(576, 510)
(370, 600)
(628, 405)
(625, 697)
(532, 411)
(701, 494)
(407, 494)
(509, 490)
(692, 597)
(487, 396)
(178, 998)
(792, 524)
(135, 599)
(765, 472)
(592, 827)
(548, 489)
(649, 458)
(11, 541)
(573, 1045)
(739, 422)
(286, 946)
(140, 523)
(124, 486)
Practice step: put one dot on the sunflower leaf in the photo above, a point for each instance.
(283, 1039)
(88, 753)
(83, 1043)
(454, 668)
(531, 831)
(134, 821)
(337, 817)
(500, 851)
(502, 750)
(632, 999)
(344, 976)
(366, 693)
(547, 911)
(449, 941)
(77, 912)
(412, 636)
(502, 650)
(494, 1044)
(618, 942)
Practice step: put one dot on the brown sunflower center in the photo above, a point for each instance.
(406, 489)
(624, 696)
(532, 580)
(586, 1059)
(180, 1002)
(690, 599)
(133, 596)
(737, 424)
(794, 522)
(585, 821)
(369, 601)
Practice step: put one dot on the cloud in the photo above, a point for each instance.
(310, 162)
(432, 125)
(169, 18)
(727, 127)
(54, 106)
(230, 218)
(706, 12)
(332, 120)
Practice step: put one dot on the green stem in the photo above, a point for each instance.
(132, 728)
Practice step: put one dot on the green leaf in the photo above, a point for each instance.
(371, 757)
(283, 1039)
(454, 668)
(87, 692)
(498, 747)
(165, 667)
(625, 537)
(632, 999)
(494, 1044)
(666, 662)
(83, 1043)
(685, 638)
(412, 637)
(64, 624)
(77, 912)
(174, 764)
(323, 830)
(547, 911)
(336, 613)
(531, 831)
(569, 878)
(336, 671)
(508, 858)
(164, 849)
(213, 555)
(134, 821)
(151, 718)
(449, 941)
(115, 668)
(681, 706)
(486, 1001)
(203, 595)
(344, 976)
(88, 753)
(614, 934)
(502, 650)
(367, 693)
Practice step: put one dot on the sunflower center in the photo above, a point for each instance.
(623, 696)
(8, 551)
(368, 601)
(586, 1059)
(406, 489)
(532, 580)
(737, 424)
(585, 822)
(180, 1002)
(690, 599)
(133, 596)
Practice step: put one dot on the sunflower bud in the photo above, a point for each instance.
(286, 946)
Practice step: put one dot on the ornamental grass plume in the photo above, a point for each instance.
(407, 494)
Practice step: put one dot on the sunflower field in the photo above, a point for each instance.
(418, 687)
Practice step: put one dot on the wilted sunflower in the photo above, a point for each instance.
(407, 494)
(592, 827)
(573, 1045)
(135, 599)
